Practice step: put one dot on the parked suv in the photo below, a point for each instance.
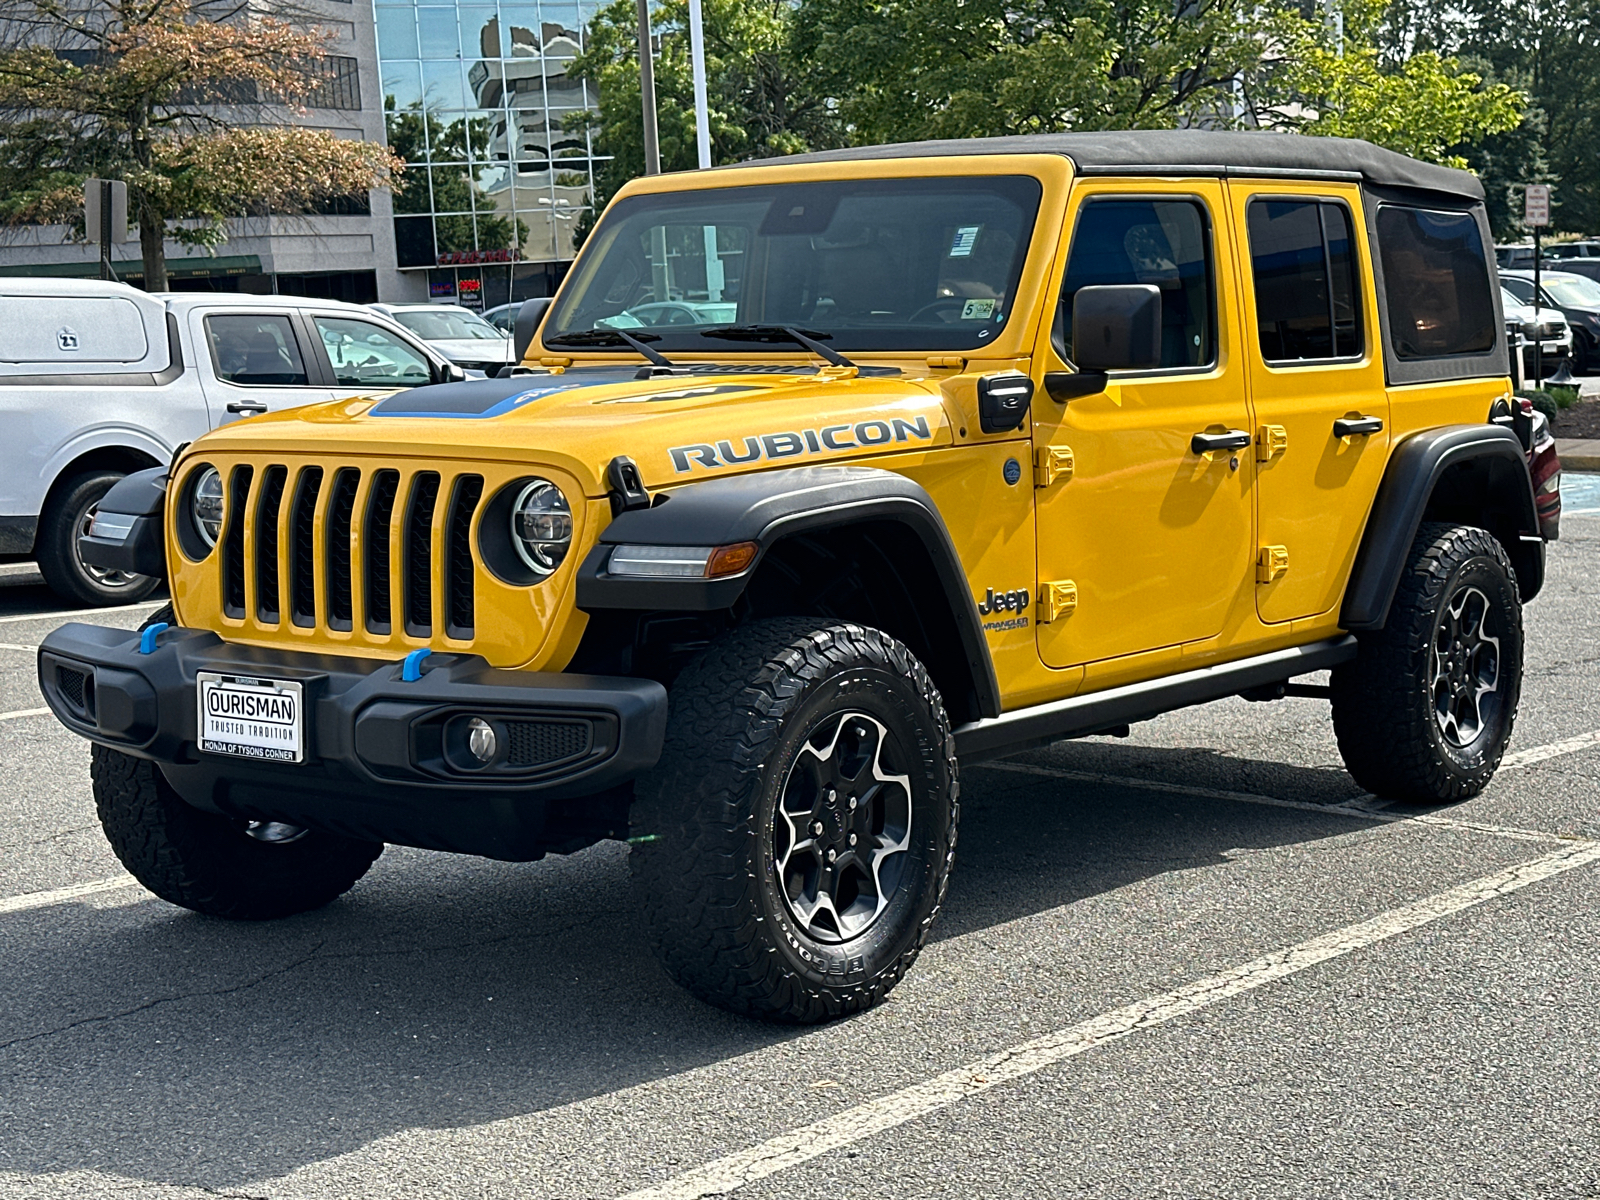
(1010, 441)
(1576, 298)
(101, 379)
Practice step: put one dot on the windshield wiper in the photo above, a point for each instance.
(612, 337)
(809, 338)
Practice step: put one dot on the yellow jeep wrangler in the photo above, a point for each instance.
(822, 477)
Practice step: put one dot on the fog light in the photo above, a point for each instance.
(481, 741)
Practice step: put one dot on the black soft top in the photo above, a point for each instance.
(1189, 152)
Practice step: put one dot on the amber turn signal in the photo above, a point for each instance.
(730, 560)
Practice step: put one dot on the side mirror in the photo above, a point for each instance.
(450, 373)
(1117, 327)
(528, 317)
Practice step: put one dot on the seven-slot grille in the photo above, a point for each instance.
(304, 534)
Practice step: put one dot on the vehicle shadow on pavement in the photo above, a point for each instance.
(152, 1044)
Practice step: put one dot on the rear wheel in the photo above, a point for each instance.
(797, 837)
(246, 870)
(1424, 712)
(65, 519)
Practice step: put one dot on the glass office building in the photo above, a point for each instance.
(477, 101)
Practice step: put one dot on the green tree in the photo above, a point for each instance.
(908, 69)
(1546, 48)
(762, 99)
(189, 107)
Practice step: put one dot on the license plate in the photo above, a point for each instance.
(249, 717)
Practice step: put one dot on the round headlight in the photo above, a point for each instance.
(205, 505)
(541, 526)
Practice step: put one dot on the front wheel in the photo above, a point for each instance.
(1424, 712)
(245, 870)
(796, 839)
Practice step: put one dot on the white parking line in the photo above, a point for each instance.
(799, 1146)
(1537, 754)
(1366, 808)
(23, 712)
(78, 891)
(79, 612)
(17, 646)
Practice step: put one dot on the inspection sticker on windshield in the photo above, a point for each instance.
(977, 310)
(251, 718)
(966, 238)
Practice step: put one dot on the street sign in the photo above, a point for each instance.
(1536, 205)
(93, 219)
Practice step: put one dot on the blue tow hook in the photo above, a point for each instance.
(147, 639)
(411, 668)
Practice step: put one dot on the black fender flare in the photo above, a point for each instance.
(141, 496)
(765, 507)
(1502, 496)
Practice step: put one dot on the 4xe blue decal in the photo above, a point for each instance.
(770, 447)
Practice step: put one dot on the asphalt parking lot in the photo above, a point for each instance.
(1193, 962)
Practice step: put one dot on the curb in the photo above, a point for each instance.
(1581, 462)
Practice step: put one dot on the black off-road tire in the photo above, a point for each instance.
(704, 867)
(1387, 701)
(56, 547)
(209, 863)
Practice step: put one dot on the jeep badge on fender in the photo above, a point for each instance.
(712, 574)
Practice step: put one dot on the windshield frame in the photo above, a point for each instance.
(1039, 240)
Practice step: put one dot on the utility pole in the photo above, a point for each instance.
(647, 92)
(702, 112)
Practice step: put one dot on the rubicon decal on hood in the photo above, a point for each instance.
(769, 447)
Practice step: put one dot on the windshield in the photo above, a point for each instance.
(881, 264)
(447, 326)
(1574, 291)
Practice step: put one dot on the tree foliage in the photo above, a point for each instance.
(171, 101)
(1550, 49)
(909, 69)
(835, 72)
(1347, 85)
(763, 100)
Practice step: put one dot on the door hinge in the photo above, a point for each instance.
(1272, 441)
(1057, 599)
(1052, 463)
(1272, 562)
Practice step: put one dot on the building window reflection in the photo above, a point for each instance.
(478, 102)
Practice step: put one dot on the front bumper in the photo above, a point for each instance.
(383, 759)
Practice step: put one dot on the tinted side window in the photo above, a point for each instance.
(1164, 242)
(258, 351)
(1436, 280)
(1302, 258)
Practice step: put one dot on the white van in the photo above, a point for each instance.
(100, 379)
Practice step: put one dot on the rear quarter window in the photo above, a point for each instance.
(1436, 282)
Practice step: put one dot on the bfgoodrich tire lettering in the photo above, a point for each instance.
(210, 863)
(1424, 712)
(761, 700)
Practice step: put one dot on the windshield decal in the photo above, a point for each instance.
(771, 447)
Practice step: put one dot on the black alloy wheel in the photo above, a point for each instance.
(793, 846)
(842, 827)
(1425, 711)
